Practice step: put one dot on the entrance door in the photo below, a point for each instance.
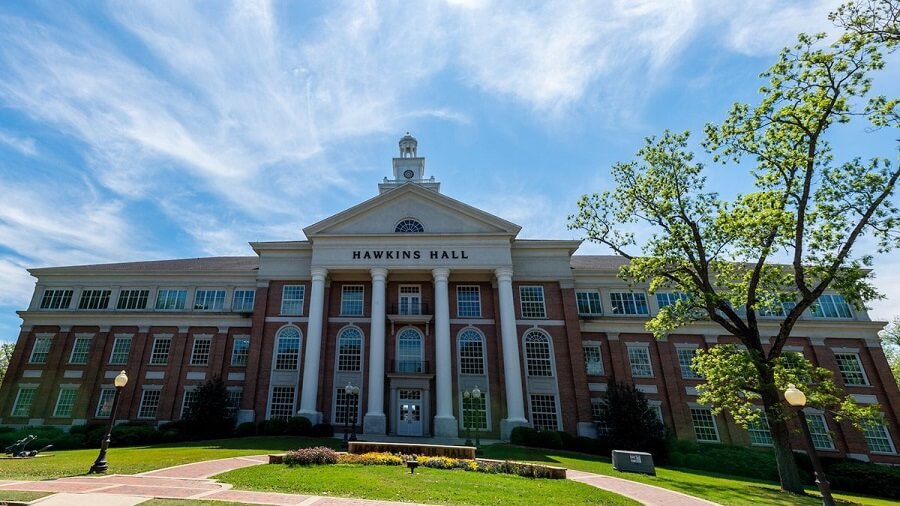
(410, 300)
(409, 419)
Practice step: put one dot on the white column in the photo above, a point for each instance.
(444, 422)
(512, 370)
(374, 421)
(310, 389)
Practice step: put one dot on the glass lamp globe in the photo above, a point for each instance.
(794, 396)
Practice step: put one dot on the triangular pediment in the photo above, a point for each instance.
(437, 213)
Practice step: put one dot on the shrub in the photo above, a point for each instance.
(210, 416)
(311, 456)
(130, 434)
(549, 439)
(322, 430)
(717, 458)
(520, 469)
(865, 478)
(523, 436)
(298, 426)
(632, 424)
(273, 427)
(245, 429)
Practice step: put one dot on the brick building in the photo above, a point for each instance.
(414, 298)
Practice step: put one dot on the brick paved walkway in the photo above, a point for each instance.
(191, 481)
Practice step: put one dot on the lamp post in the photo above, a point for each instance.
(467, 415)
(476, 404)
(352, 396)
(797, 399)
(100, 465)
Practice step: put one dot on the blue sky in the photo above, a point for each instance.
(151, 130)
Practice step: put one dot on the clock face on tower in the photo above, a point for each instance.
(408, 174)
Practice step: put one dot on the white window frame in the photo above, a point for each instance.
(534, 413)
(91, 299)
(346, 366)
(284, 356)
(593, 345)
(468, 313)
(143, 405)
(190, 394)
(687, 371)
(297, 301)
(410, 297)
(536, 304)
(346, 300)
(293, 404)
(199, 357)
(814, 432)
(70, 403)
(53, 299)
(859, 363)
(86, 353)
(885, 434)
(174, 297)
(627, 298)
(155, 353)
(837, 302)
(39, 355)
(533, 363)
(113, 352)
(213, 299)
(702, 411)
(597, 300)
(107, 394)
(238, 352)
(17, 405)
(469, 362)
(242, 298)
(761, 428)
(645, 347)
(130, 297)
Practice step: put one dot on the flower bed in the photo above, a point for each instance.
(321, 455)
(457, 452)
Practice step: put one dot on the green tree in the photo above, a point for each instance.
(630, 423)
(874, 18)
(890, 343)
(728, 258)
(6, 352)
(210, 414)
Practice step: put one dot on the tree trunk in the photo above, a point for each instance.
(788, 472)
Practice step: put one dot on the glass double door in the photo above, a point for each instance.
(409, 413)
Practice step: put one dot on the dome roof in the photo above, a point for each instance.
(408, 145)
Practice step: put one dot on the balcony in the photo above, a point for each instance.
(406, 367)
(410, 313)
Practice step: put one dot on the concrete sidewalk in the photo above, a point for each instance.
(192, 481)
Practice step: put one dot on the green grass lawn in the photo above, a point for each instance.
(432, 486)
(21, 495)
(727, 490)
(137, 459)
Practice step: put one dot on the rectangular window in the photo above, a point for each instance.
(240, 351)
(664, 299)
(685, 357)
(704, 425)
(760, 435)
(282, 405)
(40, 350)
(133, 299)
(851, 369)
(532, 301)
(830, 306)
(65, 402)
(190, 397)
(94, 299)
(657, 410)
(105, 402)
(818, 429)
(471, 353)
(352, 300)
(543, 412)
(593, 360)
(879, 439)
(160, 353)
(598, 413)
(120, 351)
(468, 301)
(779, 311)
(292, 299)
(342, 410)
(80, 350)
(475, 412)
(589, 303)
(639, 357)
(56, 299)
(287, 355)
(410, 300)
(629, 303)
(243, 301)
(171, 300)
(24, 400)
(149, 404)
(350, 350)
(200, 353)
(209, 300)
(234, 396)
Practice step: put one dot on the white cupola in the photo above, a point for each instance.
(408, 168)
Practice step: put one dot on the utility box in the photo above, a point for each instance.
(633, 462)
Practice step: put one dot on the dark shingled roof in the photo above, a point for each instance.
(181, 264)
(597, 262)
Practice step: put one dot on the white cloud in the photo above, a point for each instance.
(26, 146)
(765, 26)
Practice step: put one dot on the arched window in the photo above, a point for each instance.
(349, 350)
(409, 351)
(409, 226)
(538, 357)
(471, 352)
(287, 349)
